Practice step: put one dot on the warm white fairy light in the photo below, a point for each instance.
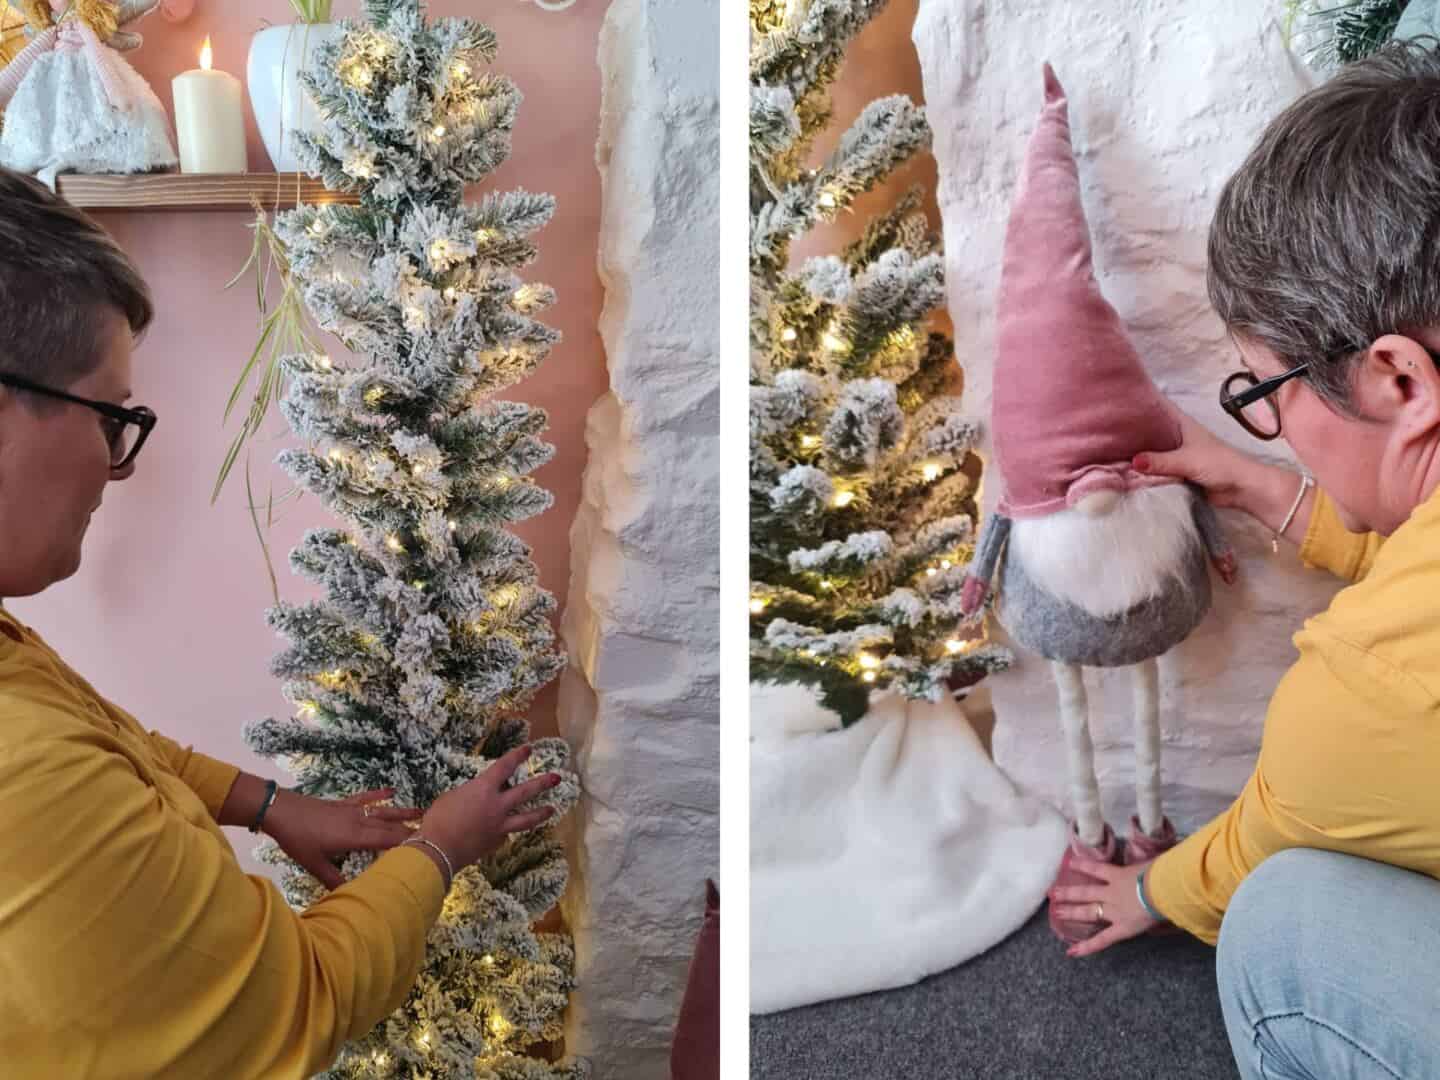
(438, 131)
(484, 236)
(869, 676)
(954, 645)
(418, 470)
(827, 200)
(487, 960)
(393, 543)
(930, 571)
(788, 334)
(945, 564)
(451, 293)
(524, 295)
(827, 584)
(324, 362)
(309, 708)
(460, 69)
(832, 340)
(867, 661)
(931, 471)
(809, 442)
(843, 499)
(757, 605)
(454, 525)
(336, 456)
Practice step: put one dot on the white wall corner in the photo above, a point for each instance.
(640, 700)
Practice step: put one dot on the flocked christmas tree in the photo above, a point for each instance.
(862, 486)
(1336, 32)
(416, 669)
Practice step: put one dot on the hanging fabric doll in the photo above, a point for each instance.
(74, 103)
(1104, 566)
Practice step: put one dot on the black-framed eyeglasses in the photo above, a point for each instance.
(1248, 400)
(125, 429)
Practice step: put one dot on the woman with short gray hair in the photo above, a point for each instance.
(131, 942)
(1319, 883)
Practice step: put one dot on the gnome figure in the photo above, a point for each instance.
(1104, 566)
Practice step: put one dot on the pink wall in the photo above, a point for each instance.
(166, 615)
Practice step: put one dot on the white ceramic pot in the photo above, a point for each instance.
(282, 105)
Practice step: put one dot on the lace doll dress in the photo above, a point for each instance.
(80, 107)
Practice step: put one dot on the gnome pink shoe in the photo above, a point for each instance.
(1108, 851)
(1141, 847)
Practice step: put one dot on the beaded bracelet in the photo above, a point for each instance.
(270, 788)
(1140, 892)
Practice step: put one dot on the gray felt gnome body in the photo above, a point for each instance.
(1093, 563)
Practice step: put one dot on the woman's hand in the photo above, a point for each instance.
(1123, 912)
(1206, 460)
(314, 831)
(473, 819)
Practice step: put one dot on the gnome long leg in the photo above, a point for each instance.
(1147, 744)
(1075, 723)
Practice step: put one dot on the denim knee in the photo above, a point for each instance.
(1260, 920)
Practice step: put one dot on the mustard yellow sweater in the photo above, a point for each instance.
(131, 942)
(1350, 755)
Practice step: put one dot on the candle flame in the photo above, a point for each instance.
(207, 54)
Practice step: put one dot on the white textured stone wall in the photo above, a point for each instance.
(1166, 98)
(640, 701)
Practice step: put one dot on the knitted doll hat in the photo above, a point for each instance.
(1073, 404)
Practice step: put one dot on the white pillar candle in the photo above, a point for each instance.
(209, 119)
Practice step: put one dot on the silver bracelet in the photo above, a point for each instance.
(1305, 483)
(1140, 892)
(438, 851)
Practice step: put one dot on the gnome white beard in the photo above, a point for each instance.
(1106, 564)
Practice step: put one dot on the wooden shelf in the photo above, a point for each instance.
(176, 191)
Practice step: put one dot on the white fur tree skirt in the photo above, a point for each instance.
(882, 853)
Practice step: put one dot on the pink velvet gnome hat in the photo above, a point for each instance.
(1073, 404)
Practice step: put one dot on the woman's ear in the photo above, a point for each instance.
(1398, 382)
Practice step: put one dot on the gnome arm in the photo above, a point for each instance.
(1222, 555)
(982, 567)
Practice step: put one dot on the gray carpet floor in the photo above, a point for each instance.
(1022, 1011)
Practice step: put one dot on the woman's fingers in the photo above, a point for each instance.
(1103, 870)
(1099, 943)
(503, 767)
(1079, 893)
(1080, 913)
(529, 819)
(521, 793)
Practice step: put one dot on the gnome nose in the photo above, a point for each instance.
(1098, 503)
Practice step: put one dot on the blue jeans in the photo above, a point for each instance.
(1329, 969)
